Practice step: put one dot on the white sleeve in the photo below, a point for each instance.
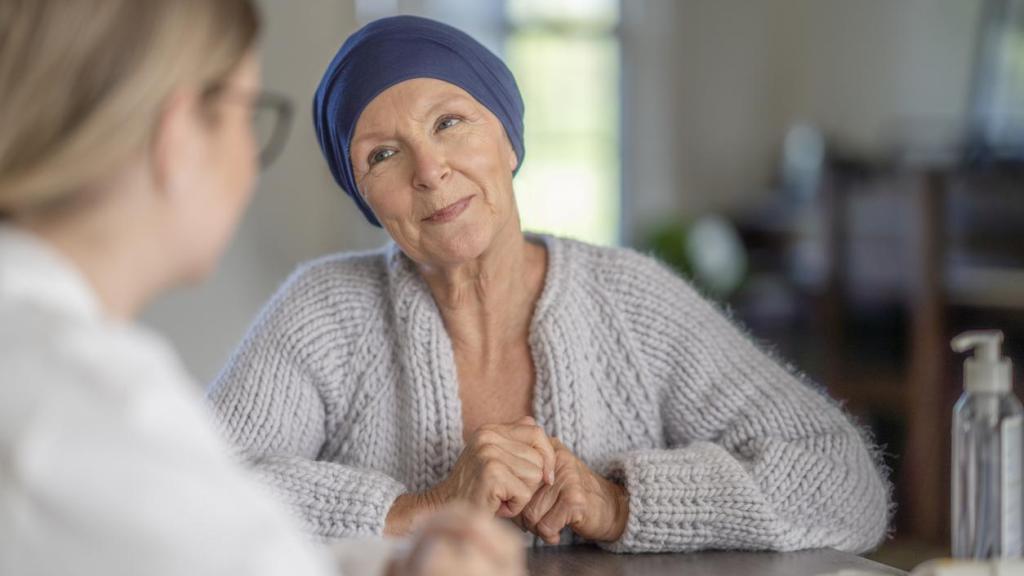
(138, 482)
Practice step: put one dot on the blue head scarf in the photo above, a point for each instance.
(392, 50)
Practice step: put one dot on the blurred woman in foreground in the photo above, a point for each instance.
(127, 155)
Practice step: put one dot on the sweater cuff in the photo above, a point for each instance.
(334, 501)
(690, 498)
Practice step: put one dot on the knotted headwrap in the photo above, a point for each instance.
(392, 50)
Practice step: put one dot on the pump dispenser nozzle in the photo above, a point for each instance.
(986, 371)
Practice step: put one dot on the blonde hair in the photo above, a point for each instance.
(83, 82)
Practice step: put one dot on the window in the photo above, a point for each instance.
(1000, 94)
(565, 57)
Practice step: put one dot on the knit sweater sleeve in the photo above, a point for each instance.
(270, 402)
(756, 457)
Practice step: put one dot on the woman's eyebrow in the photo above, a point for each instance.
(442, 102)
(369, 136)
(448, 100)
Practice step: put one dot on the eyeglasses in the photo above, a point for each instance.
(271, 118)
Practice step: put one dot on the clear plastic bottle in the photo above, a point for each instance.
(988, 438)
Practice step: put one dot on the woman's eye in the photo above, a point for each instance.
(447, 122)
(380, 156)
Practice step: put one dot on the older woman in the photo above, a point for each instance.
(558, 384)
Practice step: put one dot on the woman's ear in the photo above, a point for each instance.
(175, 140)
(510, 152)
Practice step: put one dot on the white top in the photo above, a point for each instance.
(109, 464)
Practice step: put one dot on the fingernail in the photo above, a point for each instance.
(551, 477)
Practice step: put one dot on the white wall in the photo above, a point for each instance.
(298, 212)
(711, 86)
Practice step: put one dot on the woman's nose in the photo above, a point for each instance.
(431, 168)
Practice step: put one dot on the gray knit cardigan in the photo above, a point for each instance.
(344, 395)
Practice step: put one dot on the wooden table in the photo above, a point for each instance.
(588, 561)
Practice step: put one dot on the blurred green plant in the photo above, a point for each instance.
(707, 251)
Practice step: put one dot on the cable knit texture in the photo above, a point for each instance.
(344, 395)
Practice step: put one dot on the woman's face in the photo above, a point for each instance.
(435, 166)
(222, 173)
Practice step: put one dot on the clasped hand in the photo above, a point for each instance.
(517, 471)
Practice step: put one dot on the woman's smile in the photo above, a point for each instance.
(450, 212)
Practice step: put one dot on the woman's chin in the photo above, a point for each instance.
(459, 242)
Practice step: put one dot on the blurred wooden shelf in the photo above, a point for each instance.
(881, 394)
(985, 287)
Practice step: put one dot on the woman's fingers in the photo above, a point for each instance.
(524, 431)
(501, 468)
(568, 510)
(524, 463)
(528, 432)
(500, 541)
(505, 493)
(473, 528)
(496, 464)
(539, 506)
(451, 558)
(592, 506)
(461, 541)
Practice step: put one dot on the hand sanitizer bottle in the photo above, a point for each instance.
(987, 441)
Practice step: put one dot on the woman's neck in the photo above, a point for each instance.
(488, 303)
(112, 250)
